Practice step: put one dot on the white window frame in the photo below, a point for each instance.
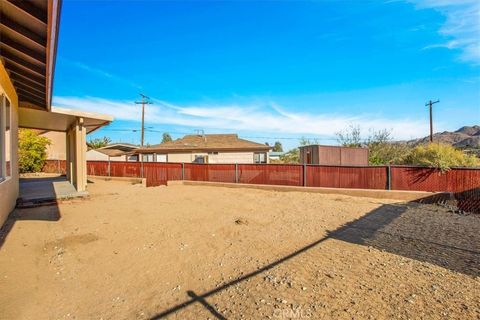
(132, 158)
(4, 175)
(259, 154)
(148, 157)
(160, 156)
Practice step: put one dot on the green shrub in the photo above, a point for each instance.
(32, 151)
(441, 156)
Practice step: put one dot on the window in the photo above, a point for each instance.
(161, 157)
(260, 157)
(132, 158)
(214, 153)
(5, 138)
(147, 157)
(200, 159)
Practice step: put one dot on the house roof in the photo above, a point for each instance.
(29, 30)
(277, 153)
(207, 142)
(118, 149)
(114, 152)
(120, 146)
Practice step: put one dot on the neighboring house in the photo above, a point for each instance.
(114, 152)
(275, 155)
(57, 148)
(333, 155)
(28, 34)
(207, 148)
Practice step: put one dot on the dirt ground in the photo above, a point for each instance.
(189, 252)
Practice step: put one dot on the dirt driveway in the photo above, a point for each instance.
(186, 252)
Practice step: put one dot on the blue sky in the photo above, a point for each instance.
(271, 70)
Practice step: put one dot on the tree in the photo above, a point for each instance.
(98, 143)
(382, 150)
(278, 147)
(350, 137)
(32, 151)
(166, 137)
(441, 156)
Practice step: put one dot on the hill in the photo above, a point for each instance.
(467, 137)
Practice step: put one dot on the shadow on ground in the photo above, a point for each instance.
(426, 233)
(48, 212)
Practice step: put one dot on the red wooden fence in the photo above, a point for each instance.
(464, 183)
(275, 174)
(347, 177)
(157, 174)
(210, 172)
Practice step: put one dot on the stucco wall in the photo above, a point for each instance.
(9, 187)
(180, 157)
(57, 149)
(94, 155)
(231, 157)
(221, 157)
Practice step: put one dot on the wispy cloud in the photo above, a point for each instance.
(461, 27)
(101, 73)
(266, 117)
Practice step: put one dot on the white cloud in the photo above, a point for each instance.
(461, 27)
(255, 118)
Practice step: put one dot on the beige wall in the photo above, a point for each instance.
(221, 157)
(94, 155)
(231, 157)
(182, 157)
(9, 187)
(57, 149)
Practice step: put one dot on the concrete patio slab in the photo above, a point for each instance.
(41, 190)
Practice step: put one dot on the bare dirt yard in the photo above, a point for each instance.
(191, 252)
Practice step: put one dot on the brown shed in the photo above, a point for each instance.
(334, 155)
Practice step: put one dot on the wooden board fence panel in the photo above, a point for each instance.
(347, 177)
(274, 174)
(210, 172)
(158, 174)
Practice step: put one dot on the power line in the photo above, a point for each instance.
(250, 137)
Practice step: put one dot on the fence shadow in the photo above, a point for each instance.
(448, 241)
(403, 229)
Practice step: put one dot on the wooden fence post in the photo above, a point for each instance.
(389, 177)
(109, 167)
(183, 170)
(236, 172)
(304, 174)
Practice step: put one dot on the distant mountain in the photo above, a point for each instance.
(465, 138)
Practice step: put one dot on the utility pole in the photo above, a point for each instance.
(430, 104)
(145, 100)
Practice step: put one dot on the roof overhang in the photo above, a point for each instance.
(28, 47)
(60, 119)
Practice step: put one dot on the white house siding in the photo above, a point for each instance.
(231, 157)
